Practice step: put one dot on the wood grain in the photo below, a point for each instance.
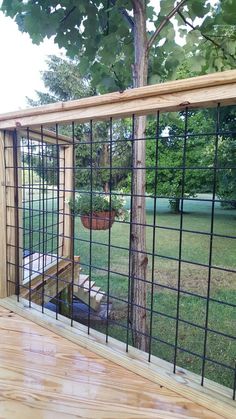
(49, 136)
(61, 193)
(44, 375)
(3, 248)
(171, 96)
(35, 263)
(13, 237)
(212, 396)
(171, 87)
(68, 192)
(50, 281)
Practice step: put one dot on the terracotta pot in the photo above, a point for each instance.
(101, 220)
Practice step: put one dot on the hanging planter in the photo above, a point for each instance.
(101, 220)
(98, 210)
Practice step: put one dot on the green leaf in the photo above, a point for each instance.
(171, 63)
(197, 62)
(193, 36)
(151, 14)
(166, 6)
(199, 8)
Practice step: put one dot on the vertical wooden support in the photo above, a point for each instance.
(66, 187)
(61, 198)
(66, 180)
(20, 214)
(3, 218)
(10, 213)
(13, 184)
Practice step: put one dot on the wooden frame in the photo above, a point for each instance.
(49, 136)
(66, 186)
(171, 96)
(3, 217)
(8, 215)
(51, 287)
(172, 87)
(213, 396)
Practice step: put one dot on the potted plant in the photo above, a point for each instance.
(98, 212)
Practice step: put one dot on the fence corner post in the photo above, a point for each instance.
(3, 218)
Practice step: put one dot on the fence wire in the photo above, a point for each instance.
(190, 233)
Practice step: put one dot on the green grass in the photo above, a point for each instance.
(194, 278)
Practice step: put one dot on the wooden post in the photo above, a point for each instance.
(13, 184)
(61, 199)
(66, 188)
(10, 213)
(66, 185)
(3, 218)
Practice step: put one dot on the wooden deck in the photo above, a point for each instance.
(43, 375)
(36, 263)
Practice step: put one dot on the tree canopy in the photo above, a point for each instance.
(100, 34)
(226, 178)
(64, 82)
(171, 142)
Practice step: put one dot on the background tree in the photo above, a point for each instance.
(199, 154)
(226, 177)
(64, 82)
(111, 37)
(200, 151)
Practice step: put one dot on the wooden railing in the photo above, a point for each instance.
(202, 91)
(34, 126)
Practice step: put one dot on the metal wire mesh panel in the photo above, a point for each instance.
(41, 202)
(79, 201)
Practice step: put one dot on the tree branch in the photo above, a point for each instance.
(122, 10)
(208, 38)
(68, 14)
(164, 22)
(125, 14)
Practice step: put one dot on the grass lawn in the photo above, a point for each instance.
(194, 278)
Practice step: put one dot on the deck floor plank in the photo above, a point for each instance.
(43, 375)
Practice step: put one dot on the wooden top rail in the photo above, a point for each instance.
(47, 136)
(202, 91)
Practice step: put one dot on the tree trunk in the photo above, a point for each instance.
(138, 235)
(106, 188)
(175, 205)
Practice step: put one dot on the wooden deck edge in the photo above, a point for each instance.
(212, 396)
